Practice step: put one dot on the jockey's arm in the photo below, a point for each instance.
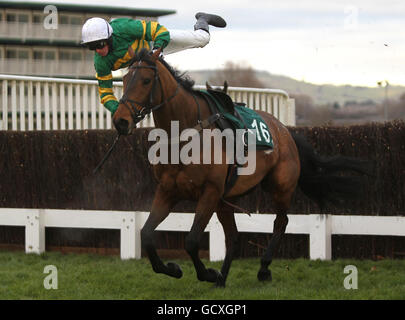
(149, 31)
(105, 90)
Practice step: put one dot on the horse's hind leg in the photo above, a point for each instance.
(205, 208)
(282, 187)
(226, 216)
(281, 183)
(162, 203)
(280, 225)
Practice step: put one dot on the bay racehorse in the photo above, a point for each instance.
(152, 86)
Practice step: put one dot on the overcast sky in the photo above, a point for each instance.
(357, 42)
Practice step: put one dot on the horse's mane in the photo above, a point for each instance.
(184, 80)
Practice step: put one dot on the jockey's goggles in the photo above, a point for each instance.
(97, 44)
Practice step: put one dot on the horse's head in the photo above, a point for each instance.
(141, 95)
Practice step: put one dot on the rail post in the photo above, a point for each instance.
(320, 237)
(216, 240)
(35, 232)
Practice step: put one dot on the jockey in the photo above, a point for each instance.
(111, 41)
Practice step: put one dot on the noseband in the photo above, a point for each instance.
(146, 108)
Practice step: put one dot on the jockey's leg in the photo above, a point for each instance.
(186, 39)
(197, 38)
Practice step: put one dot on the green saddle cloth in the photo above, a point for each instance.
(248, 119)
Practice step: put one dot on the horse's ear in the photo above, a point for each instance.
(225, 89)
(208, 86)
(131, 52)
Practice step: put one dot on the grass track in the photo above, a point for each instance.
(82, 276)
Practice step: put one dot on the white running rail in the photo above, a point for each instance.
(40, 103)
(320, 227)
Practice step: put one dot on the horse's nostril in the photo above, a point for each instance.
(121, 125)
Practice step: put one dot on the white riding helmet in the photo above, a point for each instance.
(95, 29)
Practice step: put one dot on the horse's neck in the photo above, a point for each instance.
(182, 108)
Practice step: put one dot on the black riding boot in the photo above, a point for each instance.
(205, 19)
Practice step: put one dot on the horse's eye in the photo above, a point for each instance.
(146, 81)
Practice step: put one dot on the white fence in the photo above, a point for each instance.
(319, 227)
(40, 103)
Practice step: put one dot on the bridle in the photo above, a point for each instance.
(138, 114)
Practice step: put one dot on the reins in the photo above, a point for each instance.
(138, 115)
(107, 155)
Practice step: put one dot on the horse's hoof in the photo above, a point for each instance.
(220, 283)
(174, 270)
(264, 275)
(213, 275)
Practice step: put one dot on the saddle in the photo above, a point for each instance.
(237, 116)
(229, 115)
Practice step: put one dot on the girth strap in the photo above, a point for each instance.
(207, 122)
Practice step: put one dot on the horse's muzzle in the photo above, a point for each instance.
(122, 126)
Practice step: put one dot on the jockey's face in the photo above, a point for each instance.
(103, 51)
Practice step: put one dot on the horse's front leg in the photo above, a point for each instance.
(161, 206)
(205, 208)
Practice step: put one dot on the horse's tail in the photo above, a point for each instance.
(321, 179)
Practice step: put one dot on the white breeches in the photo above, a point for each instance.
(182, 40)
